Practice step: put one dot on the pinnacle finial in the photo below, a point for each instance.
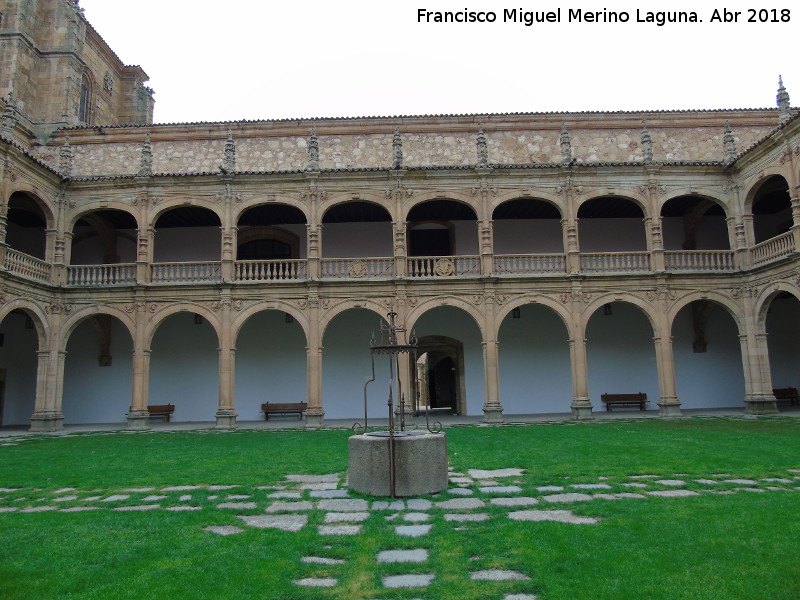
(483, 149)
(647, 143)
(313, 151)
(784, 106)
(146, 163)
(566, 144)
(729, 142)
(397, 149)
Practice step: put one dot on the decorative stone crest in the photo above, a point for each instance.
(10, 117)
(314, 193)
(56, 308)
(65, 158)
(146, 163)
(647, 143)
(444, 267)
(397, 150)
(229, 195)
(566, 145)
(229, 162)
(484, 187)
(398, 191)
(784, 106)
(108, 83)
(357, 269)
(744, 291)
(729, 142)
(483, 149)
(313, 152)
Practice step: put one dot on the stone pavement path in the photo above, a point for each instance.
(475, 497)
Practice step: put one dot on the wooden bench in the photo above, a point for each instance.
(285, 408)
(610, 400)
(161, 411)
(788, 394)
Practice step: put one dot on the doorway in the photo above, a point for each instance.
(443, 375)
(2, 395)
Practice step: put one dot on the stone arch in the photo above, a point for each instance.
(556, 307)
(184, 203)
(454, 196)
(754, 184)
(334, 311)
(36, 314)
(541, 195)
(36, 196)
(599, 302)
(622, 194)
(98, 206)
(707, 194)
(726, 302)
(162, 314)
(766, 297)
(418, 311)
(265, 200)
(369, 197)
(76, 319)
(279, 305)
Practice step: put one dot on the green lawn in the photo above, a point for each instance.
(741, 545)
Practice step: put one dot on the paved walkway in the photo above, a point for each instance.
(292, 422)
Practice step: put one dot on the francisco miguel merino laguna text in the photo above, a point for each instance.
(578, 15)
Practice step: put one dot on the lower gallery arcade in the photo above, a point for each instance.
(487, 355)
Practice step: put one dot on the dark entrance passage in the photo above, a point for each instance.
(441, 374)
(442, 382)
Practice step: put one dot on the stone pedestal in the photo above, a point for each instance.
(420, 463)
(139, 420)
(669, 409)
(47, 421)
(226, 419)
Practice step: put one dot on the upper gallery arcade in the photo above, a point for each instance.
(542, 259)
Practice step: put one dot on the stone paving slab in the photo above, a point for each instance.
(328, 494)
(466, 517)
(237, 505)
(224, 530)
(282, 522)
(322, 560)
(670, 482)
(285, 495)
(416, 517)
(343, 505)
(154, 498)
(519, 597)
(550, 488)
(181, 488)
(349, 517)
(590, 486)
(516, 501)
(386, 505)
(461, 504)
(75, 509)
(290, 506)
(574, 497)
(183, 508)
(672, 493)
(419, 504)
(323, 582)
(116, 498)
(300, 478)
(741, 481)
(413, 530)
(490, 474)
(139, 508)
(461, 491)
(417, 555)
(559, 516)
(339, 529)
(634, 484)
(65, 499)
(501, 489)
(498, 575)
(408, 581)
(318, 487)
(219, 488)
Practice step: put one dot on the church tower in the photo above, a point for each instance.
(58, 72)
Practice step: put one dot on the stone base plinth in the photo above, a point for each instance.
(47, 421)
(668, 410)
(420, 463)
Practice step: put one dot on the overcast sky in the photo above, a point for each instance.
(212, 60)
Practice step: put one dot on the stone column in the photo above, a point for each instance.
(144, 254)
(3, 225)
(138, 416)
(492, 409)
(228, 254)
(581, 403)
(405, 372)
(655, 243)
(315, 412)
(571, 247)
(796, 220)
(738, 241)
(486, 237)
(226, 412)
(47, 414)
(668, 403)
(749, 239)
(759, 399)
(400, 251)
(314, 240)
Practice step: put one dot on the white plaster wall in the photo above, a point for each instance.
(95, 394)
(270, 364)
(455, 323)
(184, 368)
(89, 251)
(621, 355)
(187, 244)
(711, 379)
(466, 238)
(535, 373)
(611, 235)
(768, 226)
(348, 240)
(711, 234)
(783, 329)
(528, 236)
(346, 364)
(18, 358)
